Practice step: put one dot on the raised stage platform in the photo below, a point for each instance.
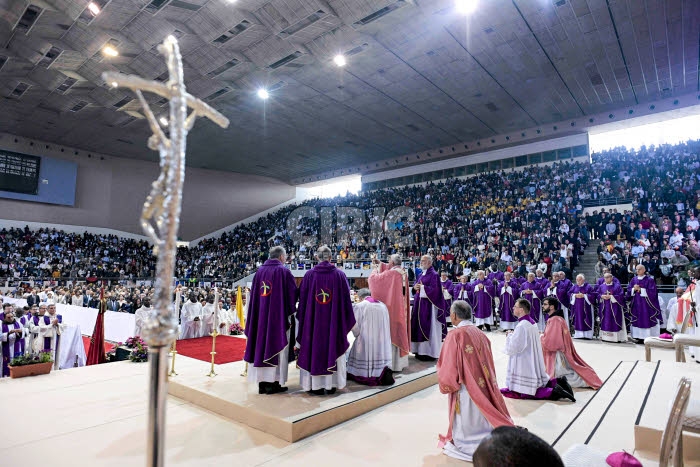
(295, 414)
(96, 416)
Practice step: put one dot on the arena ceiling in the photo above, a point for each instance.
(419, 75)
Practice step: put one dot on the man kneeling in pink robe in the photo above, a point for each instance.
(560, 355)
(466, 372)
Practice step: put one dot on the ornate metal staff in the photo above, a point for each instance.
(160, 220)
(173, 349)
(214, 332)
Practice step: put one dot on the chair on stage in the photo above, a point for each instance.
(671, 453)
(658, 343)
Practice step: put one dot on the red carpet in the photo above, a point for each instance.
(86, 343)
(228, 349)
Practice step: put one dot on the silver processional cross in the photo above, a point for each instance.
(160, 220)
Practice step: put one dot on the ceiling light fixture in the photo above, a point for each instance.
(263, 94)
(94, 9)
(163, 121)
(465, 7)
(340, 60)
(110, 51)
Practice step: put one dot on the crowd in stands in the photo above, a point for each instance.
(516, 219)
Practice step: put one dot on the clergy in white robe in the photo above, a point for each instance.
(673, 319)
(369, 360)
(12, 334)
(50, 327)
(141, 316)
(527, 376)
(466, 373)
(208, 311)
(191, 318)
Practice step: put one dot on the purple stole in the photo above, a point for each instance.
(527, 317)
(611, 314)
(47, 340)
(18, 347)
(507, 300)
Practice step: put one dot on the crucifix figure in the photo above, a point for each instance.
(160, 220)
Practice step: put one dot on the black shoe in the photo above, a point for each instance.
(425, 358)
(330, 392)
(564, 383)
(263, 388)
(317, 392)
(276, 388)
(560, 393)
(488, 327)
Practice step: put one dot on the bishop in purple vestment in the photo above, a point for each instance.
(446, 285)
(560, 289)
(270, 324)
(325, 317)
(12, 335)
(463, 290)
(582, 298)
(508, 292)
(643, 299)
(533, 293)
(429, 314)
(611, 303)
(484, 293)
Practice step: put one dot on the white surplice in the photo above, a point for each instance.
(140, 317)
(337, 380)
(562, 368)
(526, 369)
(433, 345)
(190, 327)
(469, 426)
(207, 319)
(273, 373)
(371, 352)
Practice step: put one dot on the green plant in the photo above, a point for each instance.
(22, 360)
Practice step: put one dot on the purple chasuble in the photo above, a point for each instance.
(612, 318)
(447, 285)
(507, 300)
(535, 299)
(581, 312)
(644, 311)
(422, 313)
(17, 347)
(483, 299)
(463, 292)
(273, 296)
(498, 275)
(325, 318)
(47, 340)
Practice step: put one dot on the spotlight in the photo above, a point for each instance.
(465, 7)
(263, 94)
(110, 51)
(94, 9)
(340, 60)
(163, 121)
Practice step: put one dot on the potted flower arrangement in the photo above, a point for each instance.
(139, 349)
(235, 329)
(31, 365)
(134, 349)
